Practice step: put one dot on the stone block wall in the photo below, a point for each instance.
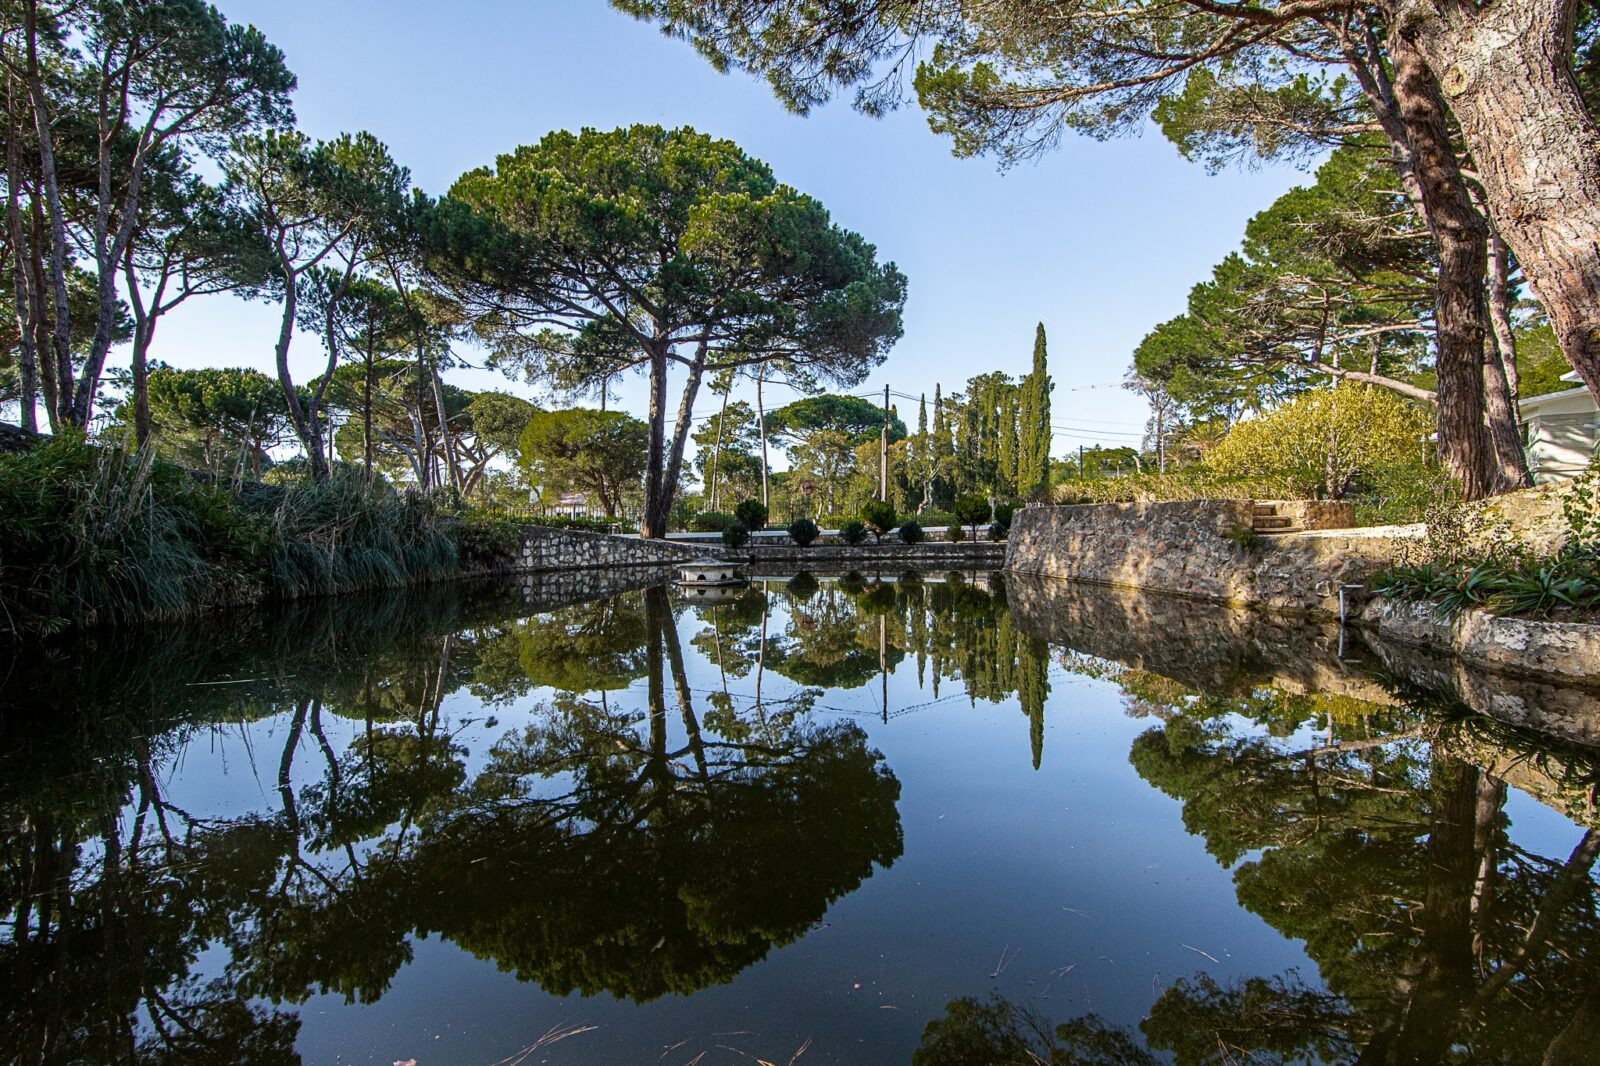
(1202, 549)
(962, 555)
(545, 548)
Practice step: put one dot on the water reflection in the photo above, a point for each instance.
(598, 848)
(1367, 833)
(678, 792)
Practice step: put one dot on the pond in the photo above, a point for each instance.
(909, 818)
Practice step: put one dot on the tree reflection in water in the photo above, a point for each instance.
(641, 836)
(599, 848)
(1383, 849)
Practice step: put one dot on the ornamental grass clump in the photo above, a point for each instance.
(102, 535)
(93, 535)
(346, 534)
(1470, 559)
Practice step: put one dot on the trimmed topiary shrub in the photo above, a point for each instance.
(1002, 515)
(972, 511)
(955, 532)
(853, 532)
(752, 514)
(711, 522)
(803, 531)
(736, 535)
(998, 531)
(879, 516)
(911, 533)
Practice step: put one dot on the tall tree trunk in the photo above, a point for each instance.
(1507, 70)
(662, 507)
(61, 337)
(1500, 414)
(1505, 340)
(1461, 236)
(716, 453)
(144, 329)
(38, 288)
(302, 420)
(653, 523)
(366, 417)
(27, 353)
(445, 441)
(761, 424)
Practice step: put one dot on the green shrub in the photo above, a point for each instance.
(736, 535)
(1002, 516)
(955, 532)
(853, 532)
(803, 531)
(998, 532)
(911, 533)
(586, 525)
(711, 522)
(972, 510)
(752, 514)
(879, 516)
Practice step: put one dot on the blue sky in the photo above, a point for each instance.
(1100, 241)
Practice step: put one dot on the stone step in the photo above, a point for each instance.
(1273, 524)
(1265, 510)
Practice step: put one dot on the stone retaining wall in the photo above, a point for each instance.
(546, 548)
(963, 555)
(1205, 549)
(1527, 647)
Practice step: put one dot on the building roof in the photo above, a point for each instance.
(1533, 403)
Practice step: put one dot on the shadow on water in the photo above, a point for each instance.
(643, 832)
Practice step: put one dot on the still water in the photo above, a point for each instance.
(921, 819)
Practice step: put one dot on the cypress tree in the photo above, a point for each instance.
(1033, 416)
(923, 468)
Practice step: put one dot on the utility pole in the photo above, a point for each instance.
(883, 451)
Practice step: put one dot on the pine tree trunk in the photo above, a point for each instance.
(761, 424)
(61, 336)
(1461, 237)
(653, 524)
(680, 436)
(27, 354)
(1500, 414)
(1507, 70)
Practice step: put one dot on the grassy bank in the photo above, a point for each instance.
(100, 535)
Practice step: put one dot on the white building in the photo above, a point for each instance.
(1562, 429)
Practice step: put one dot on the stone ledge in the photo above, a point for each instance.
(1203, 549)
(1525, 647)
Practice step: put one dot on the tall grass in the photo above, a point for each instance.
(100, 535)
(343, 534)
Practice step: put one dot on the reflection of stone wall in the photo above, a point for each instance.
(1207, 646)
(1202, 549)
(1227, 650)
(544, 548)
(1548, 706)
(552, 590)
